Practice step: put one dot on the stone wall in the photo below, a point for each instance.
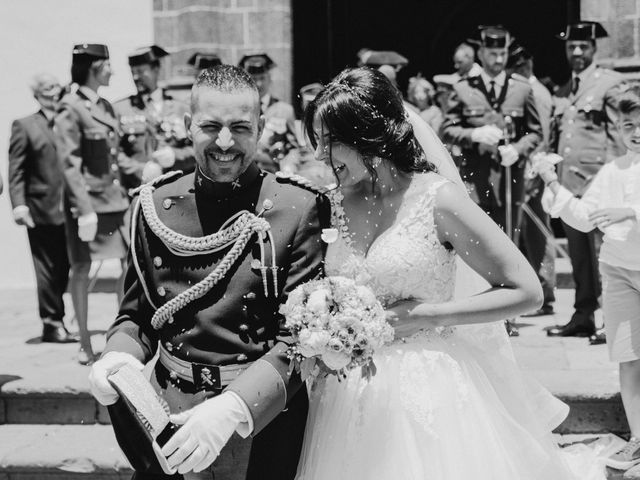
(230, 28)
(621, 18)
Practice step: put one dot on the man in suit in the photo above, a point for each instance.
(154, 139)
(534, 244)
(278, 137)
(586, 137)
(36, 191)
(221, 351)
(481, 110)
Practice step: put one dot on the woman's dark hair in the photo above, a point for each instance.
(629, 100)
(81, 66)
(362, 109)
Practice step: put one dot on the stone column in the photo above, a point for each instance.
(230, 28)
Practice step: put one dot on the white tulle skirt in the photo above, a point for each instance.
(448, 406)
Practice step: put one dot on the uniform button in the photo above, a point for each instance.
(244, 327)
(157, 261)
(251, 296)
(116, 181)
(567, 150)
(113, 151)
(241, 358)
(570, 121)
(568, 135)
(110, 134)
(161, 291)
(114, 167)
(166, 203)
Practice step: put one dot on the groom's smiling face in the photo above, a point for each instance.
(224, 127)
(345, 161)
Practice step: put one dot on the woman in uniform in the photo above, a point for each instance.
(95, 201)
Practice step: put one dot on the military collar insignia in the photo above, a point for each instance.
(206, 185)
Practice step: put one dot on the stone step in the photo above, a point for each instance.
(61, 452)
(588, 413)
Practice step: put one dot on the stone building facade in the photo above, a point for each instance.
(621, 18)
(230, 28)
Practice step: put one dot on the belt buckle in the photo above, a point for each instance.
(206, 377)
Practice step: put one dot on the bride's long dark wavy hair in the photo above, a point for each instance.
(362, 109)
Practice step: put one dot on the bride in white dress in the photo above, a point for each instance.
(448, 401)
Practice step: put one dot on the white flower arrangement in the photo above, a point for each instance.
(336, 326)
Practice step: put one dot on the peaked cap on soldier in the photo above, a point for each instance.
(585, 30)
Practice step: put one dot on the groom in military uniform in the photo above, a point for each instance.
(492, 118)
(214, 253)
(153, 136)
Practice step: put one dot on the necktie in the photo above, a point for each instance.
(575, 85)
(492, 91)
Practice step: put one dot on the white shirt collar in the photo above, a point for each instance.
(498, 79)
(583, 75)
(156, 96)
(90, 94)
(475, 70)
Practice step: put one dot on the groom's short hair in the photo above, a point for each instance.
(224, 78)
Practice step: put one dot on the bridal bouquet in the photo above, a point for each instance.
(336, 326)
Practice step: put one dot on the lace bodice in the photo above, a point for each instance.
(407, 261)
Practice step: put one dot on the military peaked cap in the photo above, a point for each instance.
(517, 55)
(376, 58)
(256, 63)
(492, 36)
(145, 55)
(583, 31)
(200, 61)
(310, 91)
(95, 51)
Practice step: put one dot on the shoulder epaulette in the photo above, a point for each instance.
(300, 181)
(158, 181)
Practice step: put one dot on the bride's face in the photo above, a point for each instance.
(345, 161)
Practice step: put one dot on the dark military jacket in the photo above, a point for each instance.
(88, 142)
(145, 129)
(469, 108)
(225, 326)
(585, 132)
(35, 175)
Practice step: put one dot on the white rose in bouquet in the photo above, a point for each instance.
(317, 301)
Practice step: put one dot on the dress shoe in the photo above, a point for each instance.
(512, 330)
(54, 332)
(572, 329)
(598, 338)
(543, 310)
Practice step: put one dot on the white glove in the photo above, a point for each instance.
(489, 135)
(165, 156)
(22, 216)
(206, 428)
(508, 154)
(150, 171)
(87, 227)
(100, 386)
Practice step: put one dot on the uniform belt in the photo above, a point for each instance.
(204, 376)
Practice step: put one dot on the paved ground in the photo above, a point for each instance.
(566, 366)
